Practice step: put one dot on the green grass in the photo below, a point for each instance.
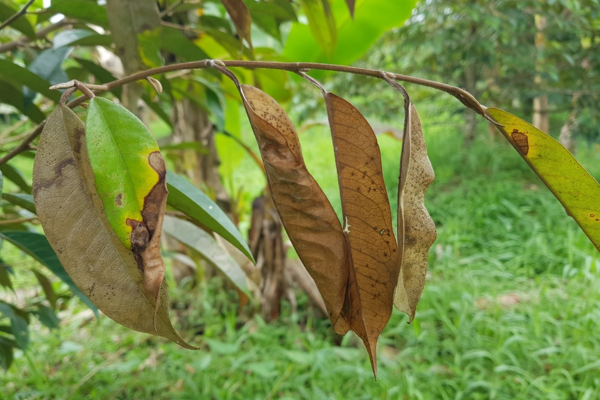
(501, 236)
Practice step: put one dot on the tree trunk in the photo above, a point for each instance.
(266, 244)
(570, 127)
(191, 124)
(127, 19)
(541, 118)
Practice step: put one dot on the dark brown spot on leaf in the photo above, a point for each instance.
(521, 140)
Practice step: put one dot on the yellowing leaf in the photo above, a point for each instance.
(73, 218)
(416, 230)
(572, 185)
(119, 147)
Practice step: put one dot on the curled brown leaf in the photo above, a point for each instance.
(416, 230)
(238, 11)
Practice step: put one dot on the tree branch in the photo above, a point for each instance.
(17, 15)
(39, 35)
(462, 95)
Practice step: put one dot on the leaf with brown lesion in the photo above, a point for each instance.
(368, 230)
(416, 230)
(305, 211)
(73, 218)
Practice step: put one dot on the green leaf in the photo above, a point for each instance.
(37, 246)
(13, 96)
(13, 73)
(48, 66)
(154, 106)
(214, 22)
(173, 41)
(5, 280)
(229, 43)
(1, 182)
(80, 37)
(47, 316)
(21, 24)
(19, 326)
(78, 73)
(267, 24)
(82, 10)
(571, 184)
(6, 355)
(321, 22)
(199, 147)
(372, 18)
(22, 200)
(149, 47)
(190, 200)
(46, 287)
(230, 152)
(15, 176)
(119, 146)
(271, 9)
(94, 40)
(216, 109)
(65, 38)
(99, 73)
(202, 242)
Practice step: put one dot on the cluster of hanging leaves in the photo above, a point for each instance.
(36, 54)
(357, 264)
(100, 190)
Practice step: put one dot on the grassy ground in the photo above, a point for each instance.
(511, 309)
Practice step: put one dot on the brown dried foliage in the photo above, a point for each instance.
(305, 211)
(416, 230)
(373, 271)
(238, 11)
(75, 224)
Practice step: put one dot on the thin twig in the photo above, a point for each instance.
(11, 139)
(313, 81)
(38, 35)
(17, 221)
(17, 15)
(169, 10)
(462, 95)
(12, 128)
(24, 145)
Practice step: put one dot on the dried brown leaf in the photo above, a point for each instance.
(416, 230)
(305, 211)
(238, 11)
(350, 4)
(368, 223)
(73, 219)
